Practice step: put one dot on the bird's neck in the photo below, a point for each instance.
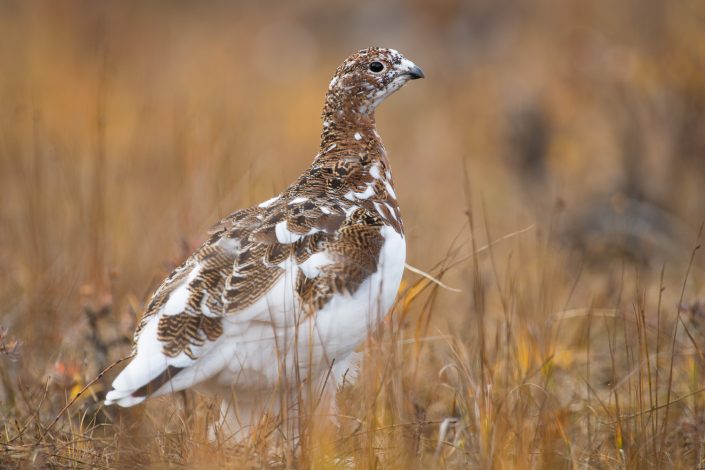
(349, 131)
(353, 156)
(347, 122)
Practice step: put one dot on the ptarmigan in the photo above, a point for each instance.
(282, 294)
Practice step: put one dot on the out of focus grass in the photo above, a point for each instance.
(551, 166)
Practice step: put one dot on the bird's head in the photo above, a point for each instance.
(367, 77)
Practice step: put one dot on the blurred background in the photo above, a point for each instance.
(572, 132)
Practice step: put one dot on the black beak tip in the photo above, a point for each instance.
(416, 73)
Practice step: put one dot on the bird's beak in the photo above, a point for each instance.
(416, 72)
(409, 68)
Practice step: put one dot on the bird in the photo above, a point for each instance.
(283, 293)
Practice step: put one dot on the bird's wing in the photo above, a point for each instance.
(182, 322)
(234, 277)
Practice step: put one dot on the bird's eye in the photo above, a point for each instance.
(376, 67)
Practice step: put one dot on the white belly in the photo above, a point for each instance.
(254, 351)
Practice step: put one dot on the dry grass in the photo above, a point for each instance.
(126, 128)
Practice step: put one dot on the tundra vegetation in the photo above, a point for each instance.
(550, 171)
